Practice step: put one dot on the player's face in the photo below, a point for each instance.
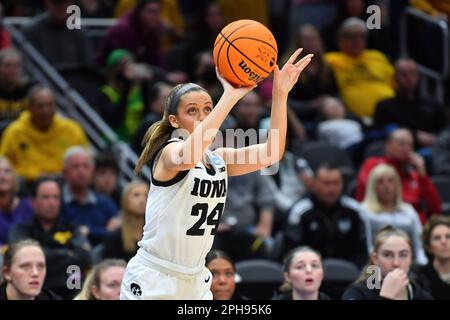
(394, 253)
(440, 242)
(223, 284)
(194, 107)
(27, 272)
(110, 281)
(305, 273)
(7, 177)
(137, 199)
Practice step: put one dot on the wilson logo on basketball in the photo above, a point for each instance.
(252, 76)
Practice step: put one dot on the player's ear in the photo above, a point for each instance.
(173, 121)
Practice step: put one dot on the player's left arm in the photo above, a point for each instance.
(252, 158)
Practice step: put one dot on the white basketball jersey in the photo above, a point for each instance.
(183, 214)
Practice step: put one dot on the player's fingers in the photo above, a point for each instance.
(294, 56)
(305, 58)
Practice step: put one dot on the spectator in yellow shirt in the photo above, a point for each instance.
(364, 76)
(35, 143)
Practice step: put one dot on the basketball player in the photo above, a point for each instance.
(189, 183)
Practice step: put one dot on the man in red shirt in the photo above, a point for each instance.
(417, 188)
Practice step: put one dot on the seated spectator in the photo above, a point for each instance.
(35, 143)
(139, 31)
(223, 270)
(441, 153)
(328, 221)
(424, 117)
(13, 210)
(247, 219)
(337, 129)
(96, 213)
(5, 38)
(125, 87)
(122, 243)
(384, 205)
(318, 80)
(69, 48)
(417, 188)
(364, 76)
(14, 87)
(378, 38)
(392, 256)
(25, 283)
(170, 15)
(106, 176)
(64, 245)
(206, 25)
(158, 94)
(103, 281)
(435, 277)
(303, 275)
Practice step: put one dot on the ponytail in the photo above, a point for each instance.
(155, 137)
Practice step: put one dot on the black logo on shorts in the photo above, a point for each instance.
(136, 289)
(207, 279)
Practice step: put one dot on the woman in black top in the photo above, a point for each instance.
(386, 275)
(122, 243)
(435, 276)
(24, 271)
(303, 275)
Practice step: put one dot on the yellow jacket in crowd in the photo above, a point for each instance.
(432, 7)
(33, 152)
(363, 81)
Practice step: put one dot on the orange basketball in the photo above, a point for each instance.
(245, 52)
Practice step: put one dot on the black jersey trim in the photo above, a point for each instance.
(180, 175)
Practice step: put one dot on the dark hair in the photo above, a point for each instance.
(159, 133)
(106, 160)
(218, 254)
(327, 166)
(37, 183)
(433, 222)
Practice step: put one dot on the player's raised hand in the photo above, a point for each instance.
(287, 77)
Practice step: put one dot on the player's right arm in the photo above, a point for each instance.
(184, 155)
